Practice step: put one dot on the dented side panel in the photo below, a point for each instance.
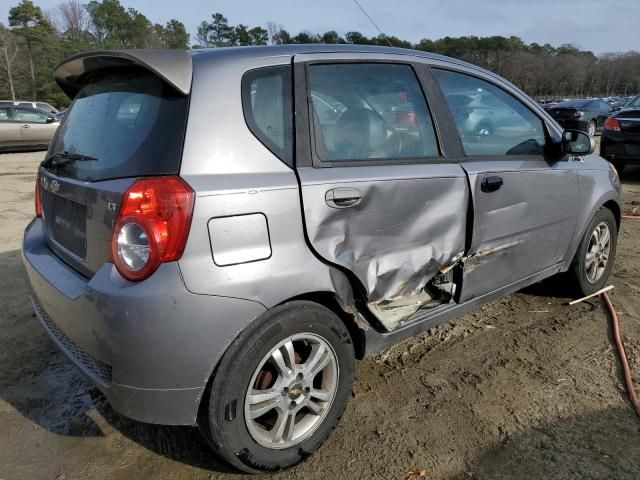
(409, 225)
(522, 228)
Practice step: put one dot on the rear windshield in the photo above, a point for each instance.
(574, 104)
(130, 122)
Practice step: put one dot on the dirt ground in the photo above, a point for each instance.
(525, 387)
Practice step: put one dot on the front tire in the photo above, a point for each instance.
(593, 261)
(281, 388)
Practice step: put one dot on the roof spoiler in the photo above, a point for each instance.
(173, 66)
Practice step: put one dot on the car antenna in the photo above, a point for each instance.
(374, 23)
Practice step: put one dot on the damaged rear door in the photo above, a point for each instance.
(380, 199)
(524, 202)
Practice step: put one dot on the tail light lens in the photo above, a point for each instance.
(38, 199)
(612, 123)
(152, 225)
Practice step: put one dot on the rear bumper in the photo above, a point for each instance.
(150, 347)
(620, 148)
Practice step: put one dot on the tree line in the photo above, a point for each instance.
(34, 41)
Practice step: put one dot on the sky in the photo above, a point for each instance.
(596, 25)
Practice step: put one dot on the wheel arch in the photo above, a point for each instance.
(327, 299)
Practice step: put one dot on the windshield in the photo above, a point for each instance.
(130, 121)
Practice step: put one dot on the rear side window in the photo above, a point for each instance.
(44, 106)
(131, 121)
(4, 114)
(266, 101)
(490, 121)
(369, 112)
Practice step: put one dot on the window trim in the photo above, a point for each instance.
(464, 157)
(286, 154)
(305, 133)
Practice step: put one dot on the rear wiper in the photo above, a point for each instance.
(64, 158)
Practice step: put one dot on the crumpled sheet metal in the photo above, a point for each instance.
(400, 235)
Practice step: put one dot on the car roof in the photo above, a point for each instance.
(176, 66)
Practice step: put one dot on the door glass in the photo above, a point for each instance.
(490, 121)
(4, 114)
(45, 107)
(267, 108)
(369, 112)
(33, 116)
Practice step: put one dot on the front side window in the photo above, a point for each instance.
(31, 116)
(369, 112)
(266, 99)
(4, 115)
(490, 121)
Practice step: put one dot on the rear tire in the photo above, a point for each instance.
(307, 399)
(593, 261)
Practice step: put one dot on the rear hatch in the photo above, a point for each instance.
(125, 123)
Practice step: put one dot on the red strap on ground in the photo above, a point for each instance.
(623, 356)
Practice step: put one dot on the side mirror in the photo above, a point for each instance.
(575, 142)
(51, 119)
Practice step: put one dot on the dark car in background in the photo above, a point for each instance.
(620, 142)
(587, 115)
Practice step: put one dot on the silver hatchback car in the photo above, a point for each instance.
(220, 234)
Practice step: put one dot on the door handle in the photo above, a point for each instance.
(343, 197)
(491, 184)
(25, 126)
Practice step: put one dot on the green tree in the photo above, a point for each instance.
(29, 22)
(117, 27)
(9, 50)
(356, 38)
(216, 33)
(281, 37)
(258, 36)
(240, 35)
(332, 37)
(306, 37)
(172, 35)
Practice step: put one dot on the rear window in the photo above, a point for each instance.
(132, 122)
(574, 104)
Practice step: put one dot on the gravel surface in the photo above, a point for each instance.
(525, 387)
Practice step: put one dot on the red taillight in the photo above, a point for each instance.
(612, 123)
(152, 225)
(38, 201)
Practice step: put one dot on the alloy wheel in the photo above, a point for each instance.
(291, 391)
(598, 252)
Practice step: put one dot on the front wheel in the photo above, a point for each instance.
(593, 262)
(281, 388)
